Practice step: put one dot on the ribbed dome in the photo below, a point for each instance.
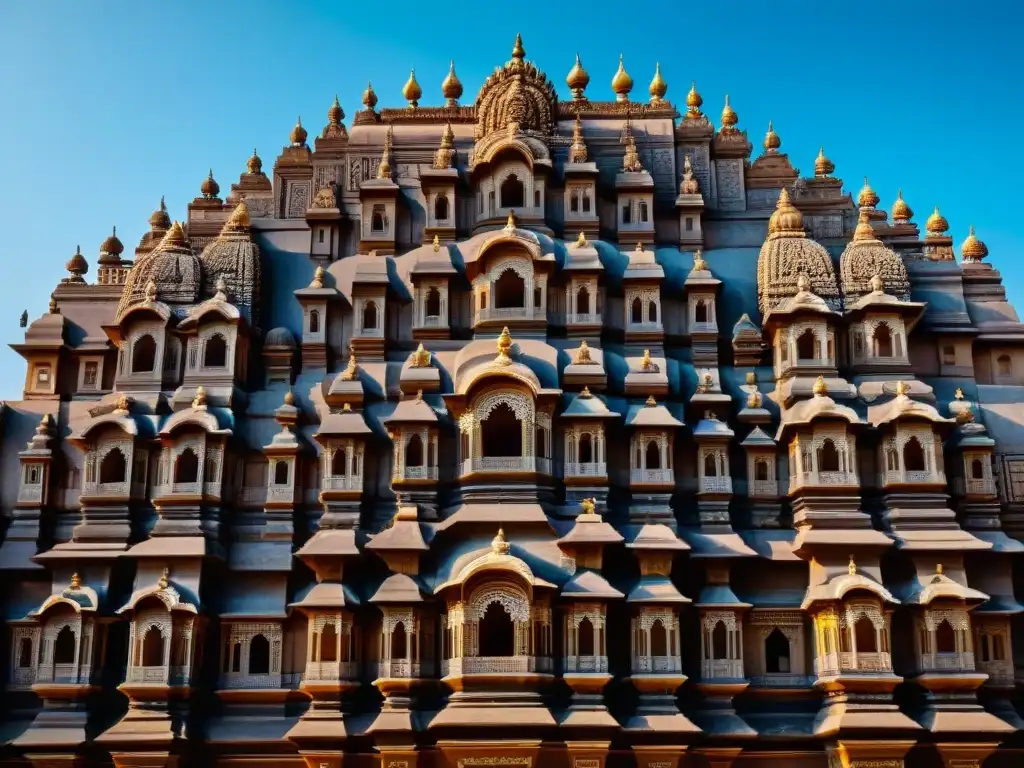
(279, 337)
(335, 114)
(772, 142)
(77, 265)
(111, 249)
(210, 188)
(235, 258)
(867, 197)
(729, 116)
(254, 165)
(369, 97)
(577, 79)
(693, 98)
(866, 257)
(171, 266)
(451, 87)
(658, 87)
(936, 223)
(822, 165)
(298, 135)
(622, 83)
(159, 218)
(973, 249)
(900, 210)
(411, 91)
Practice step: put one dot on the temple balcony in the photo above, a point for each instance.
(163, 675)
(947, 662)
(715, 484)
(657, 665)
(660, 476)
(763, 488)
(503, 314)
(824, 478)
(1000, 673)
(583, 318)
(585, 664)
(585, 469)
(505, 665)
(327, 671)
(63, 674)
(431, 321)
(404, 668)
(892, 477)
(984, 486)
(721, 668)
(235, 681)
(173, 490)
(781, 680)
(507, 464)
(118, 490)
(342, 483)
(251, 496)
(842, 663)
(414, 473)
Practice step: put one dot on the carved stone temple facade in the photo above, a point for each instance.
(521, 432)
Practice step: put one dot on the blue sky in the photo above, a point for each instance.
(109, 105)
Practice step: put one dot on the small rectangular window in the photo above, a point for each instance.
(643, 213)
(626, 214)
(689, 223)
(321, 234)
(90, 375)
(536, 198)
(42, 377)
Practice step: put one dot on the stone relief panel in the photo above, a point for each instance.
(1013, 487)
(824, 226)
(298, 199)
(729, 174)
(361, 169)
(700, 160)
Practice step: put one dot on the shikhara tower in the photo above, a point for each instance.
(523, 432)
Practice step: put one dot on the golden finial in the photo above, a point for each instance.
(124, 403)
(421, 357)
(165, 579)
(693, 101)
(518, 52)
(699, 264)
(938, 569)
(346, 408)
(689, 185)
(867, 197)
(419, 395)
(786, 219)
(772, 142)
(451, 88)
(504, 345)
(823, 167)
(864, 231)
(577, 80)
(583, 354)
(298, 134)
(412, 91)
(645, 362)
(588, 506)
(658, 87)
(76, 582)
(651, 402)
(901, 212)
(852, 567)
(902, 388)
(820, 388)
(936, 223)
(959, 394)
(631, 160)
(585, 393)
(578, 149)
(351, 372)
(729, 116)
(384, 169)
(499, 544)
(436, 244)
(622, 83)
(510, 223)
(369, 97)
(446, 152)
(239, 220)
(151, 291)
(289, 398)
(581, 240)
(318, 277)
(199, 401)
(210, 188)
(254, 164)
(877, 284)
(972, 249)
(704, 384)
(754, 399)
(639, 247)
(335, 114)
(751, 377)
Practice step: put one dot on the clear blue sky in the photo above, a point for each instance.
(105, 106)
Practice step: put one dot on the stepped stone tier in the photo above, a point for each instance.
(524, 432)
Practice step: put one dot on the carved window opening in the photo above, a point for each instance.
(338, 464)
(259, 656)
(776, 653)
(636, 311)
(328, 643)
(583, 301)
(913, 456)
(643, 213)
(320, 234)
(659, 639)
(235, 657)
(314, 321)
(1004, 365)
(414, 452)
(652, 312)
(586, 202)
(399, 641)
(497, 632)
(652, 456)
(719, 641)
(171, 355)
(501, 432)
(490, 201)
(280, 472)
(512, 192)
(864, 635)
(807, 346)
(998, 648)
(761, 469)
(574, 202)
(828, 457)
(186, 467)
(537, 297)
(881, 339)
(585, 451)
(627, 214)
(216, 353)
(153, 648)
(945, 638)
(949, 355)
(113, 467)
(441, 208)
(585, 637)
(483, 299)
(540, 442)
(700, 312)
(370, 316)
(91, 375)
(25, 653)
(536, 198)
(433, 308)
(377, 220)
(892, 462)
(144, 354)
(977, 470)
(689, 224)
(509, 290)
(64, 646)
(710, 467)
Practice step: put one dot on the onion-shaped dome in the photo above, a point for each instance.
(788, 254)
(658, 87)
(822, 165)
(772, 142)
(160, 220)
(973, 249)
(866, 257)
(622, 83)
(279, 337)
(254, 164)
(369, 97)
(729, 116)
(111, 249)
(411, 91)
(335, 114)
(900, 210)
(77, 265)
(577, 79)
(234, 257)
(298, 135)
(210, 188)
(936, 223)
(693, 99)
(867, 198)
(451, 88)
(171, 266)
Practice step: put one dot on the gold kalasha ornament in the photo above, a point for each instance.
(411, 91)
